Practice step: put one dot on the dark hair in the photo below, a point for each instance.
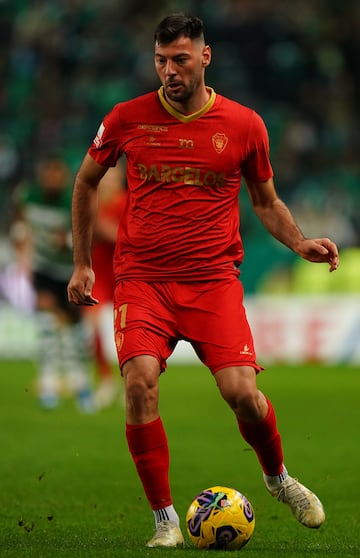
(178, 24)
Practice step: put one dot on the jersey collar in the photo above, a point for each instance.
(189, 117)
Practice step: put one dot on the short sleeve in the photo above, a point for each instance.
(106, 146)
(257, 165)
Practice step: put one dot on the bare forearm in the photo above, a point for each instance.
(84, 210)
(278, 220)
(280, 223)
(84, 214)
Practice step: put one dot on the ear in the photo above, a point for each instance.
(206, 56)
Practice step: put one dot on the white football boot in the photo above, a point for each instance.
(167, 534)
(304, 504)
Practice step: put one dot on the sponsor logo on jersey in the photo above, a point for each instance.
(186, 143)
(152, 141)
(183, 175)
(152, 128)
(98, 138)
(219, 141)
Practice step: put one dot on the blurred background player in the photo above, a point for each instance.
(16, 278)
(44, 205)
(99, 318)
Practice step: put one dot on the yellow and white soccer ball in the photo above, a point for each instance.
(220, 518)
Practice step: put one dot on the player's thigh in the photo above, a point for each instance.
(143, 323)
(218, 327)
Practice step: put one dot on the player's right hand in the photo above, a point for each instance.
(80, 287)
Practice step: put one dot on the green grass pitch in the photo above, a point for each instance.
(68, 487)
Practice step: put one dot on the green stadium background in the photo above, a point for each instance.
(64, 65)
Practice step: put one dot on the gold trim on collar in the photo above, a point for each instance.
(184, 117)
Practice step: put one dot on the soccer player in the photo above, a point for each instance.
(178, 254)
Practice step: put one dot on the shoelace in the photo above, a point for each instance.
(293, 494)
(162, 529)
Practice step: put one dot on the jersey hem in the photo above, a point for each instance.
(177, 277)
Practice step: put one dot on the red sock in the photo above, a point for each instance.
(149, 449)
(265, 439)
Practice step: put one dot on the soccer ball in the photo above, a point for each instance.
(220, 518)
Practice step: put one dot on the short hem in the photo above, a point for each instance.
(136, 354)
(254, 365)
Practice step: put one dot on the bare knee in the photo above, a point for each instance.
(249, 407)
(141, 376)
(238, 388)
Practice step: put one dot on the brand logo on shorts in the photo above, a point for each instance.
(246, 350)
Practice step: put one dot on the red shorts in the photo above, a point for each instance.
(150, 318)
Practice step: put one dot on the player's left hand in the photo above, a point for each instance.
(320, 250)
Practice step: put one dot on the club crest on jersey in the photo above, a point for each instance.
(219, 142)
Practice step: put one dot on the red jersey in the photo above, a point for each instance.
(181, 222)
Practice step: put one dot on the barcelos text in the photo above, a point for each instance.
(185, 175)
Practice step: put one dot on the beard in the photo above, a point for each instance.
(181, 93)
